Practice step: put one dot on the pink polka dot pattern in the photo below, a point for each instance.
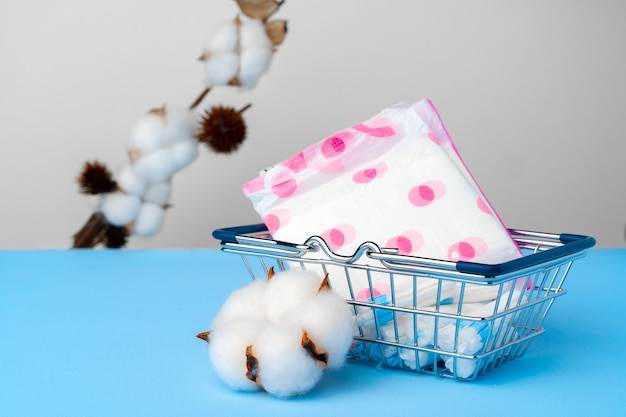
(427, 192)
(333, 147)
(365, 294)
(384, 131)
(467, 249)
(276, 219)
(339, 236)
(283, 184)
(327, 156)
(407, 243)
(482, 206)
(379, 288)
(296, 163)
(433, 138)
(369, 174)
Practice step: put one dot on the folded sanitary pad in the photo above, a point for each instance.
(396, 180)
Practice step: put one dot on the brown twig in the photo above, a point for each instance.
(92, 233)
(201, 97)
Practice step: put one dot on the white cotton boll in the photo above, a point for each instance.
(329, 323)
(149, 220)
(156, 166)
(243, 303)
(254, 63)
(253, 34)
(158, 193)
(285, 368)
(227, 351)
(129, 181)
(221, 67)
(224, 38)
(120, 209)
(184, 153)
(147, 133)
(287, 290)
(179, 125)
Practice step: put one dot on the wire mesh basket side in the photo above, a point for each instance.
(453, 335)
(427, 316)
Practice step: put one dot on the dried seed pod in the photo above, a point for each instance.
(259, 9)
(115, 237)
(270, 272)
(276, 30)
(204, 336)
(252, 365)
(95, 178)
(325, 285)
(223, 129)
(317, 354)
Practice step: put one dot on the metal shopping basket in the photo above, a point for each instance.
(449, 319)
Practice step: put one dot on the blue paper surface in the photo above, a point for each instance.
(112, 332)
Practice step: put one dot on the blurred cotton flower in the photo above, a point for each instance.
(165, 140)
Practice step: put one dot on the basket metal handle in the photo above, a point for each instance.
(561, 246)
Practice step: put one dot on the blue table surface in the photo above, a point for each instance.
(112, 333)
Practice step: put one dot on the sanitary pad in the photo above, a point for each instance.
(396, 180)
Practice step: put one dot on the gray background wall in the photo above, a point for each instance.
(532, 91)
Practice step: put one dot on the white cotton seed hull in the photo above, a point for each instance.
(254, 62)
(244, 303)
(149, 220)
(120, 209)
(329, 323)
(227, 352)
(224, 38)
(130, 182)
(287, 290)
(184, 153)
(221, 67)
(147, 134)
(154, 167)
(158, 193)
(285, 368)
